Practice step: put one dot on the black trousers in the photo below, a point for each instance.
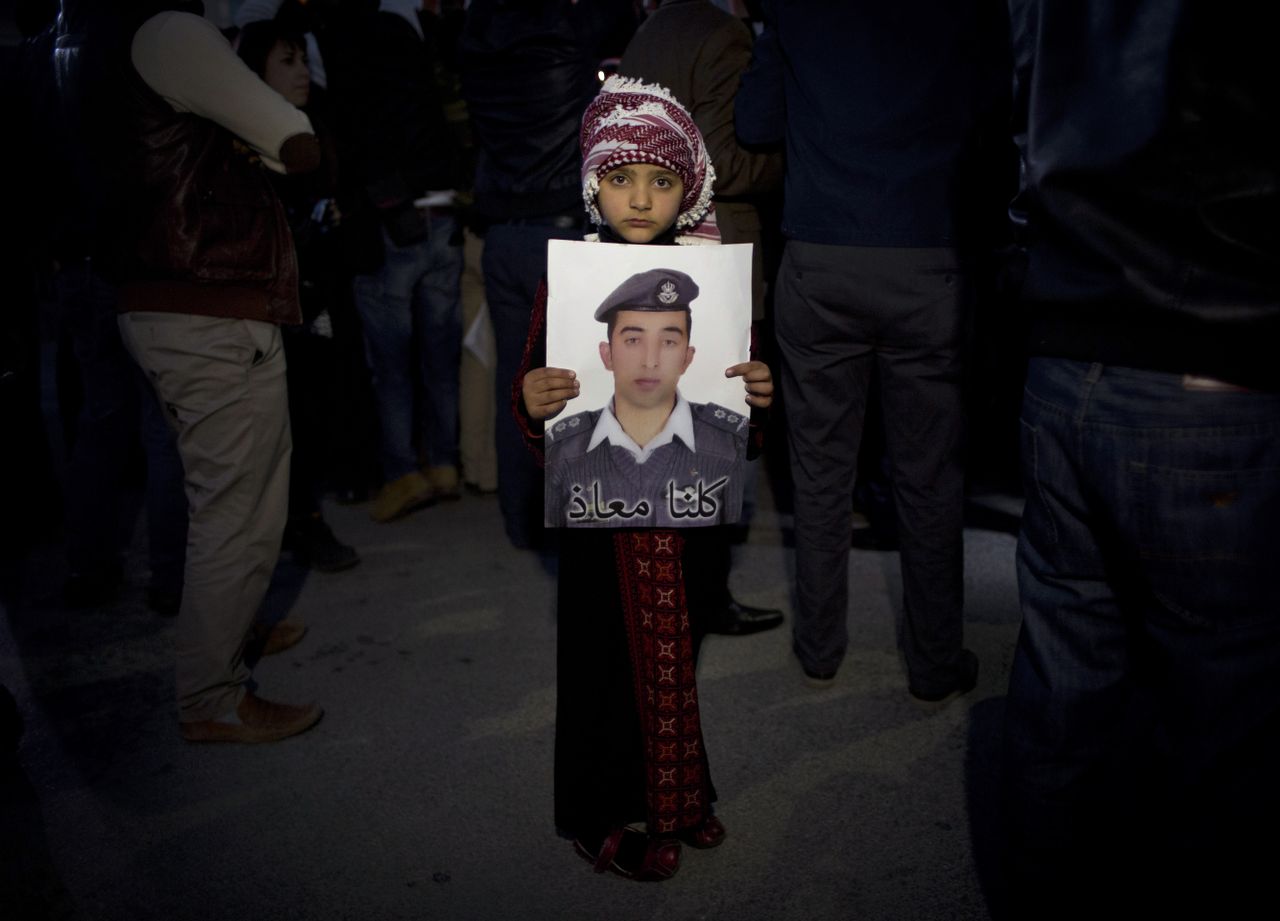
(839, 310)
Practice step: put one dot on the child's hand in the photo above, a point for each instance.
(759, 380)
(547, 390)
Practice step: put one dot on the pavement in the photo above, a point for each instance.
(425, 792)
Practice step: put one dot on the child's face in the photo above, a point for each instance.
(640, 200)
(648, 352)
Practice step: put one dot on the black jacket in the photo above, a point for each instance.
(529, 68)
(1151, 185)
(393, 142)
(880, 106)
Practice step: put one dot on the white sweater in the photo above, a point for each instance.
(185, 59)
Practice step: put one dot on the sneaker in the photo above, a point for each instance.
(258, 721)
(312, 543)
(444, 482)
(401, 496)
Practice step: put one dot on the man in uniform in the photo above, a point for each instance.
(650, 457)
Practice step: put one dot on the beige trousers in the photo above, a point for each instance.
(222, 385)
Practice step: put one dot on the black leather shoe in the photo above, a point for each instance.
(819, 679)
(965, 681)
(742, 619)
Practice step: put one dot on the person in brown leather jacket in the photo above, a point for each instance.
(209, 274)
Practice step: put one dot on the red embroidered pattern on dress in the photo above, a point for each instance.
(666, 692)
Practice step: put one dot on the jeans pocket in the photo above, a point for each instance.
(1037, 479)
(1207, 541)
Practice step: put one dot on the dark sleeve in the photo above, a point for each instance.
(535, 356)
(1023, 29)
(722, 60)
(759, 420)
(760, 110)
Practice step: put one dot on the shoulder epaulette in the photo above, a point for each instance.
(578, 424)
(729, 420)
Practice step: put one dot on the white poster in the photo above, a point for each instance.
(657, 435)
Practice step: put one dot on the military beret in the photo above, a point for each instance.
(656, 289)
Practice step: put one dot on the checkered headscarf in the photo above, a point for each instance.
(636, 122)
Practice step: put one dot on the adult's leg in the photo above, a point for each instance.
(438, 315)
(305, 383)
(706, 565)
(1071, 680)
(1146, 572)
(313, 397)
(222, 383)
(1191, 470)
(353, 422)
(515, 260)
(918, 297)
(825, 369)
(384, 301)
(104, 431)
(475, 396)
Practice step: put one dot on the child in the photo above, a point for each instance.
(628, 732)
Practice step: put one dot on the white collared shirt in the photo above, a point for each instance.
(679, 425)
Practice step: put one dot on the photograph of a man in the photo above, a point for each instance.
(649, 456)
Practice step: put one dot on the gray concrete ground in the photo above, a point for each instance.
(425, 793)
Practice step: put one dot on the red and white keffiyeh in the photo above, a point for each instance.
(631, 121)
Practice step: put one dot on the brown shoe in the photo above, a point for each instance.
(443, 481)
(260, 721)
(278, 637)
(401, 496)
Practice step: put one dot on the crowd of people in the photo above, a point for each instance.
(306, 255)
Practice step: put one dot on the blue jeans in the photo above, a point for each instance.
(412, 319)
(1149, 655)
(514, 262)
